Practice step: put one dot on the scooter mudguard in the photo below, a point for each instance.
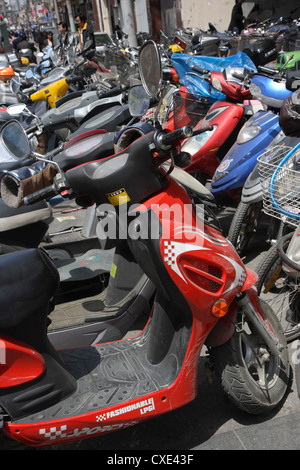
(205, 149)
(241, 159)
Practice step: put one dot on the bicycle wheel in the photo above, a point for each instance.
(280, 291)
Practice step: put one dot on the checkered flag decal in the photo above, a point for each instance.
(169, 252)
(53, 432)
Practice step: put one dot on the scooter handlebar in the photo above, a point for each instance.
(199, 70)
(42, 194)
(113, 91)
(165, 140)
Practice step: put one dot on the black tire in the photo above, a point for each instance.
(280, 291)
(244, 225)
(254, 384)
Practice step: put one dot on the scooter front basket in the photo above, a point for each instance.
(280, 181)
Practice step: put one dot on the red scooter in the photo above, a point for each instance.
(204, 296)
(226, 116)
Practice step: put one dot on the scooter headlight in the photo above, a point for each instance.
(247, 133)
(216, 84)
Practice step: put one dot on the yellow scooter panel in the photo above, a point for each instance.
(52, 93)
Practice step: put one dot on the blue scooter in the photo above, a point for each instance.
(253, 138)
(256, 134)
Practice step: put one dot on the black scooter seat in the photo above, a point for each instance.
(28, 280)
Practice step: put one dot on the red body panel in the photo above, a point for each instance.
(19, 363)
(224, 117)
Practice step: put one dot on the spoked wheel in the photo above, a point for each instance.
(244, 225)
(280, 291)
(252, 377)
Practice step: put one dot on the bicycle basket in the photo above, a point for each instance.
(188, 109)
(280, 181)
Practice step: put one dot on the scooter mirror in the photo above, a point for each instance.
(39, 57)
(138, 101)
(71, 54)
(29, 74)
(54, 58)
(16, 109)
(150, 68)
(15, 84)
(46, 52)
(15, 140)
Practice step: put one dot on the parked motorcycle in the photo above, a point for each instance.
(200, 283)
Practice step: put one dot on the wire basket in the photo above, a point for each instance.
(188, 109)
(279, 174)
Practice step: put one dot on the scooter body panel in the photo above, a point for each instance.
(204, 148)
(19, 363)
(242, 157)
(52, 92)
(270, 92)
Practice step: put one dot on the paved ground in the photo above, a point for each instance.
(210, 422)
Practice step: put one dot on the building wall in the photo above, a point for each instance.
(198, 13)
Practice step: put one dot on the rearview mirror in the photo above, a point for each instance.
(16, 109)
(138, 101)
(150, 68)
(15, 140)
(54, 57)
(29, 74)
(15, 84)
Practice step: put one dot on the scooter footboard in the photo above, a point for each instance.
(118, 384)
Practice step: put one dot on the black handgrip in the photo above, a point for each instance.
(42, 194)
(267, 70)
(73, 79)
(113, 91)
(164, 140)
(204, 129)
(31, 129)
(199, 69)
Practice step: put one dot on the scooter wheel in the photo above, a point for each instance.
(254, 379)
(244, 225)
